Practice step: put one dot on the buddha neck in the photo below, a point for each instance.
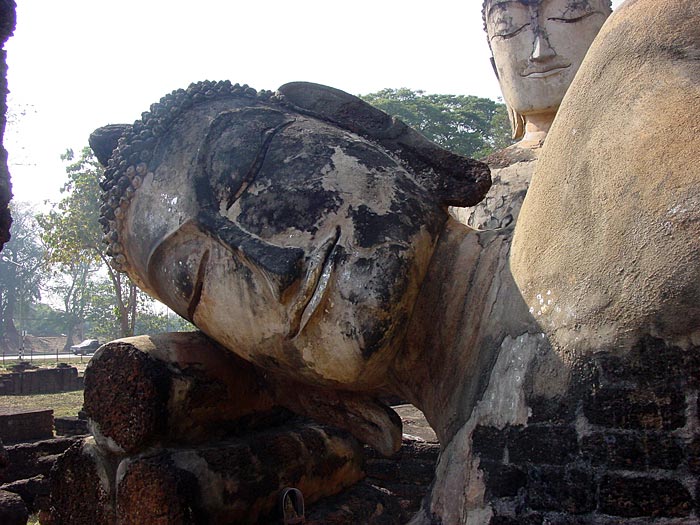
(536, 128)
(468, 304)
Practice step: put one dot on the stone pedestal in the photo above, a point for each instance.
(237, 480)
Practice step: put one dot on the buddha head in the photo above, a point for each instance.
(293, 228)
(538, 46)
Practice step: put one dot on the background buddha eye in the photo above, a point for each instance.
(569, 12)
(507, 31)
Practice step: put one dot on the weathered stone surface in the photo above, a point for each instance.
(81, 487)
(154, 491)
(359, 252)
(13, 511)
(33, 491)
(26, 460)
(532, 97)
(626, 263)
(7, 26)
(362, 503)
(70, 426)
(644, 496)
(578, 471)
(185, 388)
(536, 56)
(238, 480)
(511, 172)
(25, 425)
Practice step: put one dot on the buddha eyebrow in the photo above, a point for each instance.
(500, 6)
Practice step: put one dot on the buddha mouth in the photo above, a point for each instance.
(544, 72)
(321, 266)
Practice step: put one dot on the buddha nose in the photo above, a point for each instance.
(541, 49)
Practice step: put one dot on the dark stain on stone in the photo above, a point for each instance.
(277, 209)
(372, 229)
(373, 336)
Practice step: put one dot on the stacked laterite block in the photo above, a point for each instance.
(622, 445)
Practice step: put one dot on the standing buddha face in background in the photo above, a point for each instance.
(538, 46)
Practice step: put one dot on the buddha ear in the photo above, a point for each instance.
(454, 180)
(103, 141)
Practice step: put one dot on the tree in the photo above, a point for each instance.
(154, 318)
(72, 285)
(468, 125)
(44, 320)
(21, 274)
(73, 235)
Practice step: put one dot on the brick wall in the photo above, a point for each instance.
(41, 381)
(622, 446)
(16, 426)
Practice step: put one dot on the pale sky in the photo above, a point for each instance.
(76, 65)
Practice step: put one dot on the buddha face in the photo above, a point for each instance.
(296, 244)
(538, 45)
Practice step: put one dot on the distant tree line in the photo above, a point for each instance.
(464, 124)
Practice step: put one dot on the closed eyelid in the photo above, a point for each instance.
(574, 19)
(509, 34)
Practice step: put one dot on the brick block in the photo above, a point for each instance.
(27, 460)
(632, 451)
(489, 442)
(663, 451)
(694, 456)
(542, 444)
(502, 481)
(80, 488)
(561, 489)
(17, 426)
(13, 511)
(644, 497)
(636, 409)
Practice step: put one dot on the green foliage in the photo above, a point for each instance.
(468, 125)
(72, 233)
(44, 320)
(154, 318)
(70, 229)
(21, 273)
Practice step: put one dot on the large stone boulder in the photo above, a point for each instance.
(607, 248)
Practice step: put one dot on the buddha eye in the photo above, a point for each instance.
(509, 32)
(571, 12)
(572, 20)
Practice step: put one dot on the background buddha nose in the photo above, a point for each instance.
(541, 49)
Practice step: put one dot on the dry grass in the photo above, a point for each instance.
(64, 404)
